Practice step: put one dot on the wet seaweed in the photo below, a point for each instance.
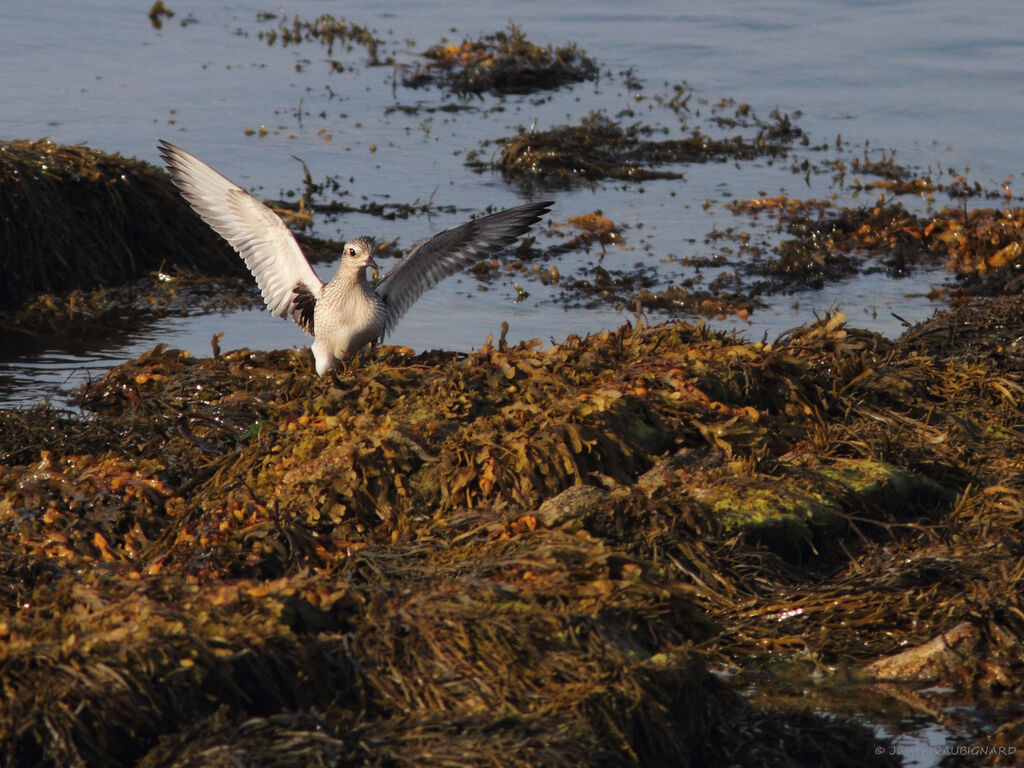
(123, 307)
(640, 289)
(981, 247)
(502, 62)
(158, 12)
(68, 204)
(326, 29)
(600, 148)
(521, 547)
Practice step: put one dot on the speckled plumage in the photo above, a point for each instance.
(347, 313)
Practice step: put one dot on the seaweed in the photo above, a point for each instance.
(76, 217)
(446, 557)
(600, 148)
(451, 553)
(502, 62)
(972, 243)
(325, 29)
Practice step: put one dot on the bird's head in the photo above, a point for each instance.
(358, 255)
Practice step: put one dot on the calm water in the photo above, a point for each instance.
(939, 82)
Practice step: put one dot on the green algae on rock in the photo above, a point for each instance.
(808, 509)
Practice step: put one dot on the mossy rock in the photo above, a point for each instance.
(890, 490)
(774, 514)
(807, 512)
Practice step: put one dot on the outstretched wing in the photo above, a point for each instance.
(289, 285)
(450, 251)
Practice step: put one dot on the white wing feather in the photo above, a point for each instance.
(257, 233)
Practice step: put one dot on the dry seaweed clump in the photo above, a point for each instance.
(75, 217)
(504, 62)
(600, 148)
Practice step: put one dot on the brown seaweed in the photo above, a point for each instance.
(390, 554)
(502, 62)
(600, 148)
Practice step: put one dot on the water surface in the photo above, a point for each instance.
(937, 82)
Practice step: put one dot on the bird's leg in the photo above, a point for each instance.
(366, 353)
(350, 363)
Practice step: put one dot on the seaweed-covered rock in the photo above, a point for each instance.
(518, 549)
(75, 217)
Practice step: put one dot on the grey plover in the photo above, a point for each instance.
(346, 314)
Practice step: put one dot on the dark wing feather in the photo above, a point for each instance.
(450, 251)
(304, 308)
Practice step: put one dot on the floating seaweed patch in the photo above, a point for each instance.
(325, 29)
(158, 12)
(829, 239)
(503, 62)
(600, 148)
(642, 289)
(596, 227)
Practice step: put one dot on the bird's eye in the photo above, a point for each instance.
(351, 251)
